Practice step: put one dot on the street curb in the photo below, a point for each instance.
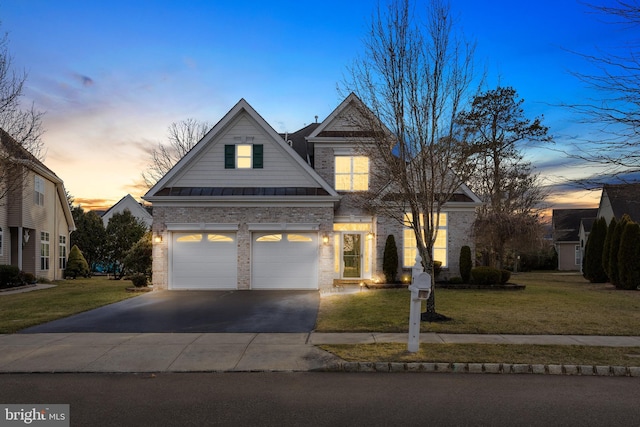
(484, 368)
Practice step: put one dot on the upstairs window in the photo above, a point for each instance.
(39, 191)
(352, 173)
(243, 156)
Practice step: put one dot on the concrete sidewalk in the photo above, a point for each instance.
(222, 352)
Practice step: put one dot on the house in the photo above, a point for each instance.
(248, 208)
(618, 200)
(128, 203)
(35, 218)
(568, 239)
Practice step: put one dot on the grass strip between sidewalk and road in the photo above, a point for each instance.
(488, 353)
(68, 297)
(552, 303)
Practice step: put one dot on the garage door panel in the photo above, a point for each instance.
(204, 261)
(285, 261)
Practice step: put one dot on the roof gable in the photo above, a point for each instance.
(343, 122)
(203, 166)
(623, 199)
(566, 223)
(130, 204)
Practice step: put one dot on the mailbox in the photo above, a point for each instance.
(421, 287)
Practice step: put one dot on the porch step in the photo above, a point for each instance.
(337, 283)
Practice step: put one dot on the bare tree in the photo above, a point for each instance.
(20, 130)
(24, 125)
(496, 125)
(182, 137)
(414, 76)
(616, 109)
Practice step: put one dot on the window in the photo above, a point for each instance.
(410, 248)
(44, 250)
(578, 255)
(352, 173)
(243, 156)
(39, 191)
(62, 260)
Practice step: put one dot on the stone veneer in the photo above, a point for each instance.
(242, 216)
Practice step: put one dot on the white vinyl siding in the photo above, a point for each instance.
(280, 169)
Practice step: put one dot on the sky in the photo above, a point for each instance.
(111, 76)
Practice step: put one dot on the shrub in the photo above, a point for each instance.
(593, 270)
(614, 275)
(505, 275)
(486, 275)
(76, 264)
(9, 275)
(27, 278)
(606, 250)
(139, 259)
(390, 259)
(628, 256)
(457, 280)
(139, 280)
(465, 264)
(437, 268)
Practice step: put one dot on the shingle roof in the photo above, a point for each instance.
(624, 199)
(566, 223)
(241, 191)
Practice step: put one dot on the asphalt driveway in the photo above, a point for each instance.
(197, 311)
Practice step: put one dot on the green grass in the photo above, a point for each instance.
(489, 353)
(552, 303)
(19, 311)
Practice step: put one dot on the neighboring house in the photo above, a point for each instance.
(35, 218)
(248, 208)
(128, 203)
(570, 234)
(618, 200)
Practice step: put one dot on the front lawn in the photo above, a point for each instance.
(552, 303)
(19, 311)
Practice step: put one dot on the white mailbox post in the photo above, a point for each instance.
(420, 290)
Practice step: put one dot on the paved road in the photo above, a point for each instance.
(197, 311)
(318, 399)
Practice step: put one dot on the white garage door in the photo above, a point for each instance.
(204, 261)
(285, 261)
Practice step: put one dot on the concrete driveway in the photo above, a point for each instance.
(197, 311)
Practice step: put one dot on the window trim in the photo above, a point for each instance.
(352, 174)
(443, 225)
(231, 156)
(62, 254)
(38, 190)
(45, 250)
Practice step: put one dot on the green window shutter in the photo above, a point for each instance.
(257, 156)
(229, 156)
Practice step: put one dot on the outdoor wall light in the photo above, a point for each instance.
(158, 238)
(325, 239)
(370, 236)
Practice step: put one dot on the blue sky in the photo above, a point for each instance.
(113, 75)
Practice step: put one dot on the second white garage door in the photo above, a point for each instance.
(286, 260)
(204, 261)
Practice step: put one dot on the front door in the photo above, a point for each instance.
(352, 255)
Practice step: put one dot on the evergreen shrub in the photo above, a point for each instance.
(76, 264)
(628, 256)
(486, 275)
(390, 259)
(465, 264)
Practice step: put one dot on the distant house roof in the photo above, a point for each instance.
(566, 223)
(298, 140)
(623, 199)
(130, 204)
